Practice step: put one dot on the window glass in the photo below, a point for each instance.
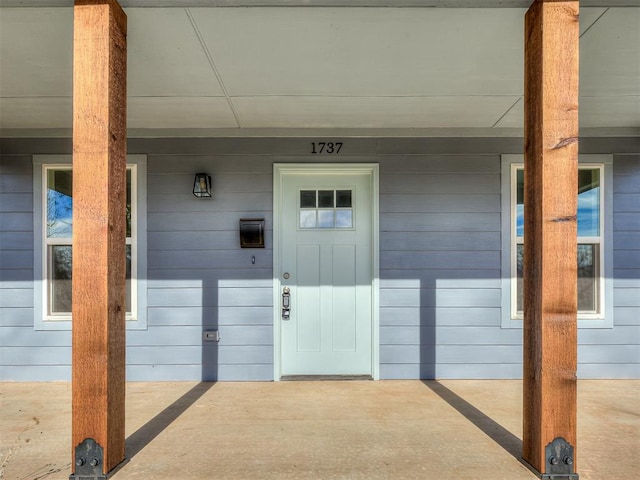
(588, 274)
(59, 223)
(59, 204)
(128, 279)
(589, 202)
(588, 260)
(519, 270)
(326, 209)
(520, 203)
(129, 212)
(60, 279)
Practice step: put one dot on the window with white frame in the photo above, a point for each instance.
(590, 191)
(57, 245)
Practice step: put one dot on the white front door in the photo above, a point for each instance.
(325, 260)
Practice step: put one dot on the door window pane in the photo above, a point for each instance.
(326, 209)
(344, 219)
(307, 199)
(325, 198)
(307, 219)
(325, 219)
(343, 198)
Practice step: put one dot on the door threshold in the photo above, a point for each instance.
(311, 378)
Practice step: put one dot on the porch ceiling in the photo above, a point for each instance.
(197, 70)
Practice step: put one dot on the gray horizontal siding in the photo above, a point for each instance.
(217, 240)
(409, 371)
(198, 259)
(626, 202)
(16, 267)
(198, 222)
(441, 297)
(434, 241)
(12, 240)
(443, 203)
(212, 297)
(222, 202)
(617, 355)
(440, 266)
(199, 278)
(609, 371)
(440, 273)
(438, 183)
(626, 316)
(430, 316)
(193, 316)
(16, 221)
(440, 222)
(168, 184)
(35, 373)
(16, 317)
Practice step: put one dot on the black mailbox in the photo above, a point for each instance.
(252, 232)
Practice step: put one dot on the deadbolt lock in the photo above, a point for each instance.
(286, 303)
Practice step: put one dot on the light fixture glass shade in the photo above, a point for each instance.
(202, 185)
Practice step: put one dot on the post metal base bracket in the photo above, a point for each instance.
(559, 466)
(89, 461)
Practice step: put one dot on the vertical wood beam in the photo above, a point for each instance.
(99, 197)
(550, 241)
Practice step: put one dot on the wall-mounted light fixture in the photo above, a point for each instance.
(202, 185)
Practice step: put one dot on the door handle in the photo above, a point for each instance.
(286, 303)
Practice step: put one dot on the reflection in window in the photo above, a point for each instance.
(308, 199)
(308, 219)
(59, 203)
(58, 240)
(325, 199)
(589, 239)
(588, 275)
(325, 219)
(60, 256)
(589, 202)
(326, 209)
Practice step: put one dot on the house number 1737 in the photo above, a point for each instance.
(326, 147)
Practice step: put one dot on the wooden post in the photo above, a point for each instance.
(550, 241)
(99, 197)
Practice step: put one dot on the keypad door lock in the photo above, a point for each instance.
(286, 303)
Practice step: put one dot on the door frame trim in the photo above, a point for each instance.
(373, 170)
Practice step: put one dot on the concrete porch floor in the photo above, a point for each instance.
(321, 430)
